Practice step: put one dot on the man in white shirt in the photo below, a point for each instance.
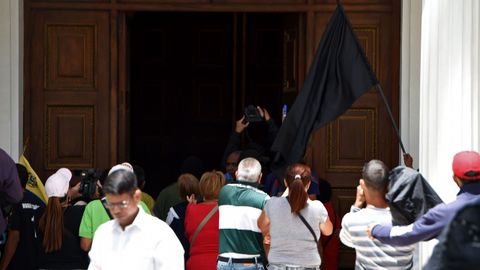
(371, 207)
(133, 239)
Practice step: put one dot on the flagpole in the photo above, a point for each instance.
(379, 88)
(25, 145)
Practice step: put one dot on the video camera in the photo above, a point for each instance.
(252, 114)
(88, 182)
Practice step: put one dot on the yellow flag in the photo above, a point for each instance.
(34, 183)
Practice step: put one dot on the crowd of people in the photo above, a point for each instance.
(245, 217)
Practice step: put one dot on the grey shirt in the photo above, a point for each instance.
(291, 242)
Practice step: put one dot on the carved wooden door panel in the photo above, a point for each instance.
(68, 94)
(363, 132)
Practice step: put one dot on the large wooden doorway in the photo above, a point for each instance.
(96, 96)
(192, 75)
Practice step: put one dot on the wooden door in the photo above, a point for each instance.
(191, 76)
(181, 91)
(364, 132)
(71, 83)
(69, 75)
(269, 66)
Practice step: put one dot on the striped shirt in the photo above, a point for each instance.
(372, 254)
(240, 205)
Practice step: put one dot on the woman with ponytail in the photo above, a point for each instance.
(293, 243)
(58, 227)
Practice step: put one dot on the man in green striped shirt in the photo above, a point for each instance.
(240, 205)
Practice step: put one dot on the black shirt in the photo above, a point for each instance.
(24, 218)
(70, 256)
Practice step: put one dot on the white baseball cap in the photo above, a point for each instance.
(58, 183)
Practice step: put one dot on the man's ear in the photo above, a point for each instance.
(137, 196)
(457, 181)
(236, 174)
(259, 178)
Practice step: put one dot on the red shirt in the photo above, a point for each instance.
(204, 251)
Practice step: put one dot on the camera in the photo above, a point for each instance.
(88, 182)
(252, 114)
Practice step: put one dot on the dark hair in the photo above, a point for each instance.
(22, 174)
(375, 175)
(236, 152)
(103, 175)
(188, 185)
(140, 173)
(120, 182)
(297, 176)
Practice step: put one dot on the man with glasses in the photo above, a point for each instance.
(96, 214)
(133, 239)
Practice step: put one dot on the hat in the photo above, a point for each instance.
(124, 166)
(466, 165)
(58, 183)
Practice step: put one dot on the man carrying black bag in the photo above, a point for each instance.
(466, 170)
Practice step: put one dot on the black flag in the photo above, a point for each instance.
(340, 73)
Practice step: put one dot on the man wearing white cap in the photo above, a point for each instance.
(96, 214)
(133, 239)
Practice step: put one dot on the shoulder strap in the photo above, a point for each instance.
(204, 221)
(306, 223)
(319, 246)
(308, 227)
(106, 210)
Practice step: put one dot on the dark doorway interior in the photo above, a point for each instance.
(191, 75)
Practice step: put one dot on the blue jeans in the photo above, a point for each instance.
(239, 266)
(285, 267)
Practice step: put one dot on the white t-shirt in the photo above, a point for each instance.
(147, 244)
(372, 254)
(291, 242)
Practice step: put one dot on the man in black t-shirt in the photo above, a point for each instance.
(21, 249)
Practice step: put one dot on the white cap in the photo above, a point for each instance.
(124, 166)
(58, 183)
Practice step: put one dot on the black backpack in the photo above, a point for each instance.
(459, 242)
(409, 195)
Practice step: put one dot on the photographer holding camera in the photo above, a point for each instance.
(95, 212)
(88, 188)
(258, 119)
